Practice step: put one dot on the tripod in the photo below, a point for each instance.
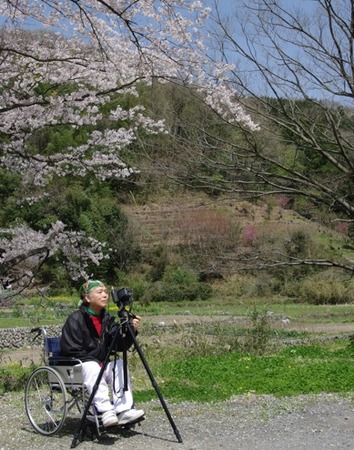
(124, 328)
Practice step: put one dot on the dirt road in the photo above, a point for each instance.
(251, 422)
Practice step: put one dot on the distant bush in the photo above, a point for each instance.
(178, 284)
(298, 244)
(136, 282)
(326, 288)
(158, 260)
(235, 286)
(259, 335)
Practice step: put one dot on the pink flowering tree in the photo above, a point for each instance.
(60, 62)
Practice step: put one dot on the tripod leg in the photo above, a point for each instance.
(154, 384)
(80, 432)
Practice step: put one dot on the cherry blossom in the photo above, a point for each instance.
(60, 61)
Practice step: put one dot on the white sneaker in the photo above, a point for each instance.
(131, 415)
(109, 419)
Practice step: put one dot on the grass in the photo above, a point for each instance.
(13, 377)
(34, 311)
(303, 312)
(293, 371)
(296, 311)
(207, 362)
(13, 322)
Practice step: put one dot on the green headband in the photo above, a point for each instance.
(88, 286)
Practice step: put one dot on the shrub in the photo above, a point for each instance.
(158, 261)
(135, 282)
(178, 284)
(234, 286)
(13, 377)
(284, 201)
(259, 335)
(298, 244)
(179, 276)
(326, 288)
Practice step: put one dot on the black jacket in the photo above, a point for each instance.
(79, 337)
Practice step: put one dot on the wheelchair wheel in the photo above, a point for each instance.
(46, 401)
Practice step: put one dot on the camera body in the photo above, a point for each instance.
(123, 298)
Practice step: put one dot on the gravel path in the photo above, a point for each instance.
(319, 422)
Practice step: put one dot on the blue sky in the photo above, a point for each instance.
(306, 7)
(230, 5)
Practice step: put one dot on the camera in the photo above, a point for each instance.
(122, 297)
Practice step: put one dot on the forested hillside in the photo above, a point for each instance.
(161, 218)
(124, 159)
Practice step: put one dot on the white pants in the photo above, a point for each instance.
(122, 400)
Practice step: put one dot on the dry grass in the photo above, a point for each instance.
(218, 233)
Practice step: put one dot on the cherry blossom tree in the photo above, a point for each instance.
(60, 62)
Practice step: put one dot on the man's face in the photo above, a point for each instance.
(97, 298)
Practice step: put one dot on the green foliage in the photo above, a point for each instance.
(8, 183)
(294, 371)
(137, 283)
(178, 284)
(85, 206)
(217, 360)
(298, 243)
(94, 207)
(236, 286)
(158, 260)
(37, 310)
(13, 377)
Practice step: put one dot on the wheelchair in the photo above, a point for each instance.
(56, 389)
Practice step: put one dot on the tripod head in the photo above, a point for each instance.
(123, 298)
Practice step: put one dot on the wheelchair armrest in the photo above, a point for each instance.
(69, 369)
(63, 361)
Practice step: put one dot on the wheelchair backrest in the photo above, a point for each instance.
(52, 346)
(70, 369)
